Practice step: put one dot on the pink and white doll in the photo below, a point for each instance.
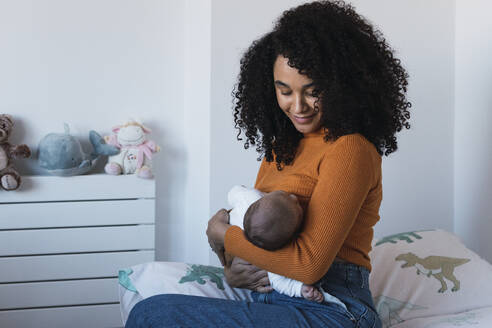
(135, 150)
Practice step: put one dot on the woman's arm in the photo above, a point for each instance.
(216, 229)
(238, 273)
(346, 175)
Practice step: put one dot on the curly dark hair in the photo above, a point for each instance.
(359, 83)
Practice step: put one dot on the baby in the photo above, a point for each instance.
(271, 221)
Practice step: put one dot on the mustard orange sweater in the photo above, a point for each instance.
(339, 187)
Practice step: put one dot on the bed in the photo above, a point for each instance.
(420, 279)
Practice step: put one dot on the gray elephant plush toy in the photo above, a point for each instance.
(61, 154)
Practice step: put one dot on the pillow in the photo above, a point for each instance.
(148, 279)
(427, 273)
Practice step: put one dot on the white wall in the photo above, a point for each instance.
(418, 189)
(473, 150)
(93, 64)
(197, 70)
(418, 178)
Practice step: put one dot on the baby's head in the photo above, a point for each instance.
(271, 221)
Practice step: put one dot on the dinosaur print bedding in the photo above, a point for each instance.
(428, 273)
(478, 318)
(419, 279)
(148, 279)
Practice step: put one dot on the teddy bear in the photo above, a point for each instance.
(9, 177)
(135, 150)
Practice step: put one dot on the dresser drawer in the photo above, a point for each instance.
(80, 188)
(76, 240)
(77, 214)
(89, 316)
(76, 266)
(57, 293)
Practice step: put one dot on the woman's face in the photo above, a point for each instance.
(295, 96)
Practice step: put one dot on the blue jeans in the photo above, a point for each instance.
(348, 282)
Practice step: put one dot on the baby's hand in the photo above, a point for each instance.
(312, 293)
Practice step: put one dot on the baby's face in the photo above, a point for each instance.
(288, 200)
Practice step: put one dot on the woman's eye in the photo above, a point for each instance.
(285, 93)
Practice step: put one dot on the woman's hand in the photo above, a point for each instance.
(216, 230)
(241, 274)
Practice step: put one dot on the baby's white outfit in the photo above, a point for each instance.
(240, 198)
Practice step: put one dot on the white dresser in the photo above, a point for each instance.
(62, 241)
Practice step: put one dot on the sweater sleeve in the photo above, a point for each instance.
(346, 175)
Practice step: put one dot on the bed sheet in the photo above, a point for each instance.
(477, 318)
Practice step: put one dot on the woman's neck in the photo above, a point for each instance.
(318, 133)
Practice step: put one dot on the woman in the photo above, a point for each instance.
(321, 97)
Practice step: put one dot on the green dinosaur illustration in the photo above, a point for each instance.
(124, 279)
(404, 236)
(196, 272)
(439, 267)
(388, 309)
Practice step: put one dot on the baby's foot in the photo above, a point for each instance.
(312, 293)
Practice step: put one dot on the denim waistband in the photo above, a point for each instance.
(344, 266)
(346, 273)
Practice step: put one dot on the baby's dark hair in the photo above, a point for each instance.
(270, 226)
(360, 84)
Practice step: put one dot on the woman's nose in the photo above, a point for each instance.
(299, 105)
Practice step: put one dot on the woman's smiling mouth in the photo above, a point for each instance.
(304, 119)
